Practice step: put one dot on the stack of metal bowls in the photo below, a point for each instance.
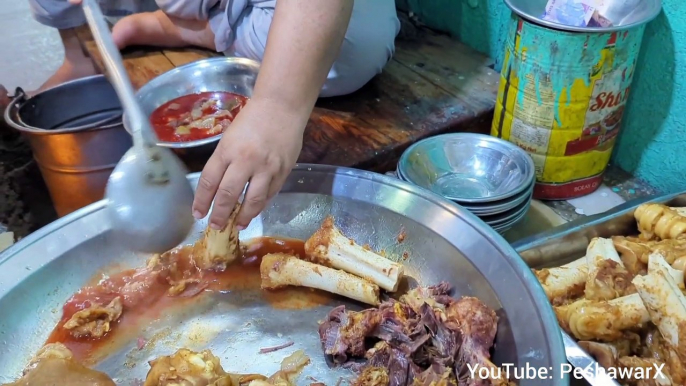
(492, 178)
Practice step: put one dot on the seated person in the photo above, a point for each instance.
(308, 48)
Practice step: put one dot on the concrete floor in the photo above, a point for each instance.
(31, 52)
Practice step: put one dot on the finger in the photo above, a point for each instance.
(75, 2)
(228, 192)
(277, 184)
(208, 183)
(255, 199)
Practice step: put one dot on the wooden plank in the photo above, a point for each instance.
(452, 66)
(370, 128)
(179, 57)
(142, 64)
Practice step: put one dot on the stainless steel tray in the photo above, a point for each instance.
(444, 242)
(569, 241)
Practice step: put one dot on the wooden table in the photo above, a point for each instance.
(433, 85)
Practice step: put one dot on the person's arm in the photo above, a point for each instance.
(304, 40)
(264, 141)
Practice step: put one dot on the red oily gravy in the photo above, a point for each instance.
(179, 120)
(152, 301)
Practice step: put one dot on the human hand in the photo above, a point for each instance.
(259, 148)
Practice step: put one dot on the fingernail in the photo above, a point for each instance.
(197, 214)
(215, 226)
(240, 227)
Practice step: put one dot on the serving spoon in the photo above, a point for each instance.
(149, 199)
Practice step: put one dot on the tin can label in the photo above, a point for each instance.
(562, 97)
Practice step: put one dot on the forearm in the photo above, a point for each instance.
(304, 41)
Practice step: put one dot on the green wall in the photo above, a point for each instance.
(653, 141)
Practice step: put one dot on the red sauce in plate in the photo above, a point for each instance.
(196, 116)
(151, 301)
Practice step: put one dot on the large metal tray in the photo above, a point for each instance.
(444, 242)
(568, 242)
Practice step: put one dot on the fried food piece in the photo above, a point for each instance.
(94, 321)
(329, 247)
(279, 270)
(657, 220)
(216, 249)
(54, 365)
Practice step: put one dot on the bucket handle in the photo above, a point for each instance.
(19, 100)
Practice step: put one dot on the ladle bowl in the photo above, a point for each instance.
(149, 219)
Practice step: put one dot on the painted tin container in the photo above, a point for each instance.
(561, 98)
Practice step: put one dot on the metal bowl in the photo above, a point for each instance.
(236, 75)
(467, 167)
(491, 208)
(443, 242)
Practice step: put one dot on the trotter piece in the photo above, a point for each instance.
(217, 249)
(603, 320)
(187, 368)
(329, 247)
(280, 270)
(666, 305)
(661, 221)
(54, 365)
(564, 283)
(94, 321)
(607, 277)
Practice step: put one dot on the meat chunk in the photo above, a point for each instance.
(478, 325)
(94, 321)
(426, 339)
(218, 248)
(54, 365)
(343, 333)
(186, 368)
(610, 280)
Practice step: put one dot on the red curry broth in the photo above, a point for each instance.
(150, 301)
(196, 116)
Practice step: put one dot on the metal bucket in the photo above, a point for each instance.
(76, 135)
(562, 94)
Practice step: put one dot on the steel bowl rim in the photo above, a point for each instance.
(508, 205)
(529, 172)
(520, 212)
(160, 78)
(655, 11)
(13, 108)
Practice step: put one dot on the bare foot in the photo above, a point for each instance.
(159, 29)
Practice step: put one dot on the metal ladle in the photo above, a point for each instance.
(149, 197)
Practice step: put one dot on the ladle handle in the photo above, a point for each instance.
(143, 137)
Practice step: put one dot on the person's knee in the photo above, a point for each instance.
(359, 61)
(367, 48)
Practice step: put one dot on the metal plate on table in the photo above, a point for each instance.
(443, 242)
